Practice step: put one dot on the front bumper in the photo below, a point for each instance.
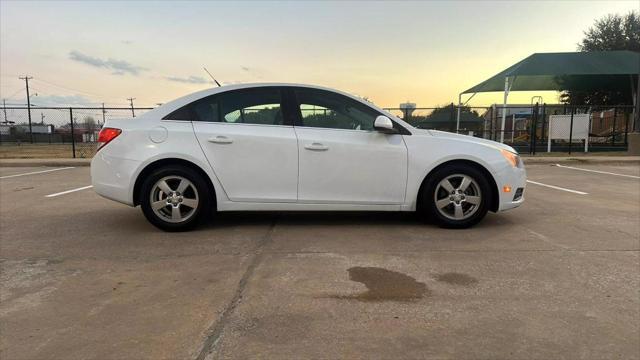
(515, 178)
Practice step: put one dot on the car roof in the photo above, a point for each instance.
(173, 105)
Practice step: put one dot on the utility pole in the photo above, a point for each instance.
(4, 110)
(26, 79)
(103, 112)
(131, 102)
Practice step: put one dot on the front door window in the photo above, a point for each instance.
(324, 109)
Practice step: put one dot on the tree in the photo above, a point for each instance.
(89, 124)
(444, 117)
(448, 109)
(612, 32)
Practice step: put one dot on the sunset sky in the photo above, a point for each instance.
(83, 53)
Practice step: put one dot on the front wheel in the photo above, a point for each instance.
(457, 196)
(174, 198)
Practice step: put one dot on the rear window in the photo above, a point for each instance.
(183, 113)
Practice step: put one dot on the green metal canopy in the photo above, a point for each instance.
(555, 71)
(565, 71)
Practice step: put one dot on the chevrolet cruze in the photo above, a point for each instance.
(289, 147)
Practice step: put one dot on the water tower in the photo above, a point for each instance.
(407, 109)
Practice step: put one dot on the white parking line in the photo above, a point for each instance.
(558, 188)
(36, 172)
(597, 171)
(69, 191)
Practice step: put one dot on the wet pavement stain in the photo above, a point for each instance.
(23, 188)
(385, 285)
(457, 279)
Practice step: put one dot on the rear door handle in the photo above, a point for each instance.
(316, 147)
(220, 139)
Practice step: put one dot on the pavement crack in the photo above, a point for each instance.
(217, 328)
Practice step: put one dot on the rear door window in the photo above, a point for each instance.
(262, 106)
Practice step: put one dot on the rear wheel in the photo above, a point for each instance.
(457, 196)
(175, 198)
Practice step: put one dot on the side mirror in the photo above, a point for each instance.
(384, 125)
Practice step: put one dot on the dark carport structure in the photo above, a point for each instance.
(577, 71)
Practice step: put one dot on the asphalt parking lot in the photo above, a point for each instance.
(559, 277)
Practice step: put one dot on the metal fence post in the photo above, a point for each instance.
(586, 141)
(534, 130)
(452, 117)
(573, 110)
(626, 128)
(613, 128)
(494, 115)
(73, 139)
(544, 120)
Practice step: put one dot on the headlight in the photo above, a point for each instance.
(512, 158)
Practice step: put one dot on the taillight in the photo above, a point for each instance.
(106, 135)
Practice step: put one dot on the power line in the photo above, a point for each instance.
(74, 90)
(14, 94)
(101, 96)
(75, 103)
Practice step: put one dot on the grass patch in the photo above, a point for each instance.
(46, 151)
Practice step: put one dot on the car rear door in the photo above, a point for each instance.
(248, 138)
(342, 158)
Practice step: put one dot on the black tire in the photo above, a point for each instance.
(198, 190)
(475, 212)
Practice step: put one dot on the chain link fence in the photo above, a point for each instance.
(444, 118)
(526, 127)
(55, 132)
(63, 132)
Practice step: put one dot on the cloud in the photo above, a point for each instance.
(117, 67)
(62, 100)
(190, 80)
(255, 72)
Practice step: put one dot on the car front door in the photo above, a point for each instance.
(343, 159)
(248, 138)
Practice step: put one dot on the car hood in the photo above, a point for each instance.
(466, 138)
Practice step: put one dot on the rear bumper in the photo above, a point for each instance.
(112, 177)
(515, 178)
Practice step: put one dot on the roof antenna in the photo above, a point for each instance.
(214, 79)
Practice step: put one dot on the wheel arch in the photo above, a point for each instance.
(494, 198)
(171, 161)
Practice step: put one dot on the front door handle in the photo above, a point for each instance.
(316, 147)
(220, 139)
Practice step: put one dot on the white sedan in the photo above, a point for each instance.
(287, 147)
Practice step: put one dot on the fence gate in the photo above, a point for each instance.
(569, 127)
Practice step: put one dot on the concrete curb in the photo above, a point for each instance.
(44, 162)
(581, 160)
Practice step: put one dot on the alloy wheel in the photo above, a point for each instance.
(174, 199)
(457, 197)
